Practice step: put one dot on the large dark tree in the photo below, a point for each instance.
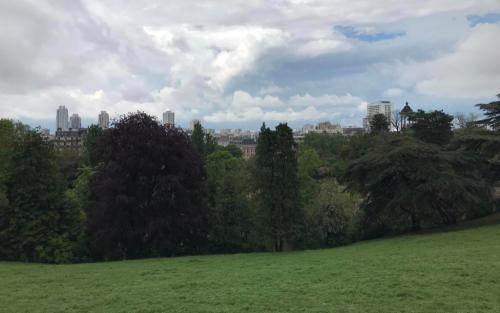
(37, 225)
(432, 127)
(408, 184)
(379, 124)
(147, 197)
(277, 183)
(492, 112)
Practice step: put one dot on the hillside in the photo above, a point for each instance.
(443, 272)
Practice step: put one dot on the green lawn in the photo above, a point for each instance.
(445, 272)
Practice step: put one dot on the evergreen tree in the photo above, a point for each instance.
(147, 196)
(492, 112)
(379, 124)
(277, 182)
(198, 138)
(432, 127)
(407, 184)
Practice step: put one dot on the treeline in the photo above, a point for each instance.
(142, 190)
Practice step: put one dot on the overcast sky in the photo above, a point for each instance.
(236, 63)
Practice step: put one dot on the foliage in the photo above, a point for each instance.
(93, 135)
(332, 216)
(37, 225)
(232, 220)
(277, 184)
(308, 165)
(233, 149)
(329, 148)
(147, 197)
(407, 184)
(204, 143)
(432, 127)
(379, 124)
(492, 112)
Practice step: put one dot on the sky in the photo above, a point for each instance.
(237, 63)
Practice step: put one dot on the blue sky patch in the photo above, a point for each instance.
(352, 32)
(490, 18)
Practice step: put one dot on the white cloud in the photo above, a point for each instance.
(244, 107)
(393, 92)
(471, 70)
(209, 58)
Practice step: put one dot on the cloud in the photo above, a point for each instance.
(367, 34)
(244, 107)
(471, 70)
(238, 60)
(490, 18)
(393, 92)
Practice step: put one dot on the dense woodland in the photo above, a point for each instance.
(142, 190)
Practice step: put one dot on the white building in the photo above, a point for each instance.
(380, 107)
(169, 118)
(75, 122)
(103, 120)
(62, 118)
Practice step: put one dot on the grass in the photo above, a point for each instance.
(455, 271)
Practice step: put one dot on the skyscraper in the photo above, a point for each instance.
(103, 120)
(62, 118)
(75, 121)
(169, 118)
(380, 107)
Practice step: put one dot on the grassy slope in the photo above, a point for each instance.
(444, 272)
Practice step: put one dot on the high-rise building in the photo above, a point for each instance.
(62, 118)
(103, 120)
(75, 122)
(380, 107)
(169, 118)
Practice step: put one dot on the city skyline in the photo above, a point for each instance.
(295, 61)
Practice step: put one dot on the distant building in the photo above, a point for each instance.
(62, 118)
(103, 120)
(248, 147)
(169, 118)
(374, 108)
(66, 140)
(75, 122)
(404, 115)
(329, 128)
(351, 131)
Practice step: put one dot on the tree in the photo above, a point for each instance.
(37, 225)
(277, 183)
(90, 144)
(396, 120)
(333, 216)
(231, 216)
(308, 165)
(234, 150)
(462, 120)
(432, 127)
(492, 112)
(148, 194)
(329, 148)
(407, 184)
(198, 138)
(379, 124)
